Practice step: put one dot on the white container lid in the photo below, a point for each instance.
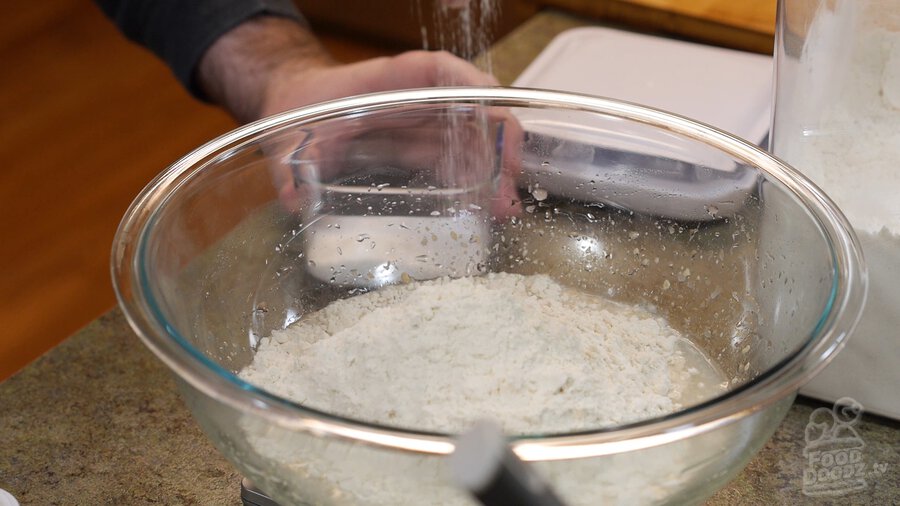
(728, 89)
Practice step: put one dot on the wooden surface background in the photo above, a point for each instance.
(740, 24)
(88, 120)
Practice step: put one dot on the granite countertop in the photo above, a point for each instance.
(98, 419)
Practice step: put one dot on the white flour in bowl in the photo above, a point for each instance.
(437, 355)
(523, 350)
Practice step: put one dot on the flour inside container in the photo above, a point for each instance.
(839, 124)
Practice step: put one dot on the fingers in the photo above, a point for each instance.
(414, 69)
(440, 68)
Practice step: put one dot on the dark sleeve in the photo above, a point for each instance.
(180, 31)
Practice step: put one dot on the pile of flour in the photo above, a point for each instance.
(437, 355)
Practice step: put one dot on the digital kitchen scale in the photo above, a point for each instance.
(730, 90)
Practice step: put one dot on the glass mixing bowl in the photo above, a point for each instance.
(275, 220)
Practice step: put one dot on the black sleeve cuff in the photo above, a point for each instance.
(180, 31)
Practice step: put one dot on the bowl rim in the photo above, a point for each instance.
(784, 379)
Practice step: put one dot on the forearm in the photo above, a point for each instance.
(236, 71)
(181, 31)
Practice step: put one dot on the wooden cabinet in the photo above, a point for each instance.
(404, 24)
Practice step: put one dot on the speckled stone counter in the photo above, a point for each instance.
(98, 419)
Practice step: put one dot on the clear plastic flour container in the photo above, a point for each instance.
(837, 120)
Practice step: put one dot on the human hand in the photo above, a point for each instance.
(270, 65)
(295, 84)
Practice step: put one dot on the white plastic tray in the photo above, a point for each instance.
(731, 90)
